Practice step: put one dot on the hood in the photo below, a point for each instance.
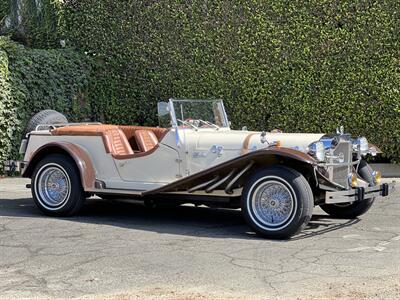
(235, 139)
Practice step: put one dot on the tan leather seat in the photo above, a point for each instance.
(117, 142)
(116, 137)
(146, 139)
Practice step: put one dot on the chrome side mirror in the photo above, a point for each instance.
(340, 130)
(162, 109)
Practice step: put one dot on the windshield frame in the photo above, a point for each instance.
(174, 119)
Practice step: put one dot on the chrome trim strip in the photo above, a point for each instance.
(115, 191)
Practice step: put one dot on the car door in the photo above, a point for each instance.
(157, 168)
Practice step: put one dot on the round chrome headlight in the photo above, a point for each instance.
(320, 151)
(362, 144)
(317, 149)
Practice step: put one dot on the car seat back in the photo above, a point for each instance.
(145, 139)
(117, 142)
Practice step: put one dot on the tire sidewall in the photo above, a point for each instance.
(75, 197)
(302, 201)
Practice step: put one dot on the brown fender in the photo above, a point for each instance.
(79, 155)
(260, 158)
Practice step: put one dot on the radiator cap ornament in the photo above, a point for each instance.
(340, 130)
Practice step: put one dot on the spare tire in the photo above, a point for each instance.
(45, 117)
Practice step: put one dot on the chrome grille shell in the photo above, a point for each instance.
(339, 162)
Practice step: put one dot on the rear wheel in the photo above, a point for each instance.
(277, 202)
(56, 186)
(352, 210)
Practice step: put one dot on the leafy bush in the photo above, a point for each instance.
(4, 9)
(298, 66)
(41, 19)
(32, 80)
(8, 110)
(32, 22)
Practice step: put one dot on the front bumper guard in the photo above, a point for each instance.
(359, 193)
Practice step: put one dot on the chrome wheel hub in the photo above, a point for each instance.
(272, 203)
(53, 186)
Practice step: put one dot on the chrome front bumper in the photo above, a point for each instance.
(359, 193)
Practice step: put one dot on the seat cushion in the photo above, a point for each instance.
(146, 139)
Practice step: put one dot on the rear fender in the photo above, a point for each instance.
(77, 153)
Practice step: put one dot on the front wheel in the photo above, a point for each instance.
(56, 186)
(277, 202)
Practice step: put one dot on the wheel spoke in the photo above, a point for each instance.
(53, 186)
(273, 203)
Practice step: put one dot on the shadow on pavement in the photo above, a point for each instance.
(183, 220)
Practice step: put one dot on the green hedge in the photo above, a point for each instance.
(8, 110)
(4, 9)
(33, 23)
(32, 80)
(41, 22)
(299, 66)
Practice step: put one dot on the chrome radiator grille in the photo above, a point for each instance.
(341, 157)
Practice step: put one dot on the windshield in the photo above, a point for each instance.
(199, 113)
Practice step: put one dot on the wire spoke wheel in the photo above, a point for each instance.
(272, 203)
(277, 202)
(56, 186)
(53, 186)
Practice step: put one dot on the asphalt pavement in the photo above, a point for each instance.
(126, 251)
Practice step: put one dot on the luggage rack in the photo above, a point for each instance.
(44, 127)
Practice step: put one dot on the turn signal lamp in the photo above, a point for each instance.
(377, 176)
(353, 179)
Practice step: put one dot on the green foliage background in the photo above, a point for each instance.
(302, 66)
(32, 80)
(4, 8)
(41, 26)
(39, 23)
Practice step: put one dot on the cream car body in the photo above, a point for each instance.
(199, 159)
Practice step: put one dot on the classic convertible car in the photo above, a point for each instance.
(275, 178)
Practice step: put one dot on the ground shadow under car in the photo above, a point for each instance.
(182, 220)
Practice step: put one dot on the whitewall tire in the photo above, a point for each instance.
(56, 186)
(277, 202)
